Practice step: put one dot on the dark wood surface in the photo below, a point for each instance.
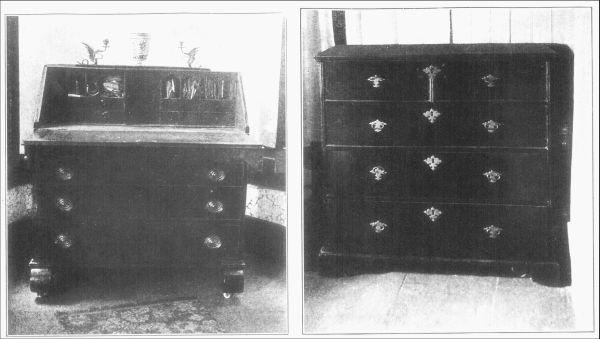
(140, 135)
(458, 232)
(518, 78)
(459, 177)
(401, 52)
(374, 99)
(458, 124)
(83, 95)
(136, 173)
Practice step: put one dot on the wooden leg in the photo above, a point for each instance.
(233, 277)
(43, 279)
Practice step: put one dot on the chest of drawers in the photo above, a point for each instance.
(139, 167)
(447, 158)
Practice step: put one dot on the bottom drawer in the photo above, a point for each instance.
(122, 243)
(462, 231)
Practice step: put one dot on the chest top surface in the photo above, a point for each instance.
(446, 51)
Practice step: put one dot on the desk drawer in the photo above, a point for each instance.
(141, 202)
(388, 124)
(118, 243)
(476, 232)
(142, 166)
(484, 79)
(97, 110)
(424, 174)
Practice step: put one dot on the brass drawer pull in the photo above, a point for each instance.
(376, 80)
(492, 176)
(490, 80)
(378, 172)
(432, 115)
(433, 162)
(63, 240)
(377, 125)
(214, 206)
(64, 174)
(378, 226)
(213, 242)
(493, 231)
(433, 213)
(431, 71)
(64, 204)
(216, 175)
(491, 126)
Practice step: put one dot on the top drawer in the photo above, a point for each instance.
(137, 166)
(437, 80)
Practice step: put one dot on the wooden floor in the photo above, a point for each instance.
(262, 308)
(429, 303)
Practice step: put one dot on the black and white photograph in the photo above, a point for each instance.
(445, 155)
(299, 169)
(146, 189)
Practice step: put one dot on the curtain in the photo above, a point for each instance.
(317, 36)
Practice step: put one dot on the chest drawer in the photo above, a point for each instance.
(437, 79)
(426, 174)
(442, 230)
(495, 78)
(428, 124)
(374, 81)
(142, 166)
(141, 202)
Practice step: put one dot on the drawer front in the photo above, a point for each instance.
(375, 81)
(97, 110)
(378, 229)
(141, 202)
(503, 79)
(445, 230)
(387, 124)
(115, 243)
(197, 112)
(142, 166)
(495, 177)
(483, 79)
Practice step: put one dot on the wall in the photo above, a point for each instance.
(571, 26)
(252, 48)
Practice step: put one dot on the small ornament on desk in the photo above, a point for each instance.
(191, 54)
(94, 54)
(140, 45)
(112, 87)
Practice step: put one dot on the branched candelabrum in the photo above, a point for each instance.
(94, 55)
(191, 54)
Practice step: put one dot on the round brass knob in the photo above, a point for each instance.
(64, 173)
(378, 226)
(213, 242)
(216, 175)
(63, 240)
(64, 204)
(214, 206)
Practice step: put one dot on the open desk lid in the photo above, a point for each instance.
(148, 105)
